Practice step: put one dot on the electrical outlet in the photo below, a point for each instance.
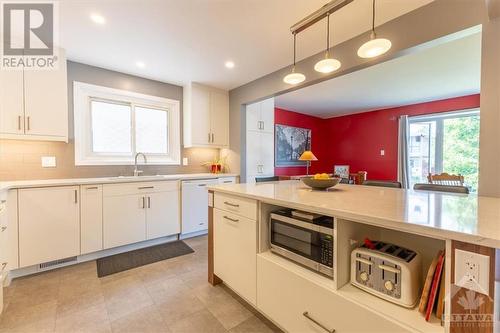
(185, 161)
(382, 152)
(48, 161)
(472, 271)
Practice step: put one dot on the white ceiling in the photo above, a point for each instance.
(449, 70)
(190, 40)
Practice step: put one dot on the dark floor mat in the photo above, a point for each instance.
(136, 258)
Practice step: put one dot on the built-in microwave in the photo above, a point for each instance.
(303, 238)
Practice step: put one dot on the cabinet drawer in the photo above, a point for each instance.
(139, 187)
(235, 250)
(285, 297)
(237, 205)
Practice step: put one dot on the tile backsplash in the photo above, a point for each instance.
(22, 160)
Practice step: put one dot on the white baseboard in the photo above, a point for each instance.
(29, 270)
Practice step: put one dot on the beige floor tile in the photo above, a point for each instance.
(228, 311)
(127, 302)
(252, 325)
(42, 326)
(94, 319)
(163, 290)
(147, 320)
(17, 314)
(202, 321)
(195, 278)
(70, 303)
(177, 307)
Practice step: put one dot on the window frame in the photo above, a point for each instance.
(84, 94)
(439, 118)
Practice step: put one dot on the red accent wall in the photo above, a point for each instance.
(319, 141)
(356, 140)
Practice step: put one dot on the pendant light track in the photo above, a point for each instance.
(372, 48)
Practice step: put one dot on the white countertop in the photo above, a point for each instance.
(108, 180)
(468, 218)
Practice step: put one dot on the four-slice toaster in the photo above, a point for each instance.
(387, 271)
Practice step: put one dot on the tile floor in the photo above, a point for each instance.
(167, 296)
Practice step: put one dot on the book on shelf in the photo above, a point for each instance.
(440, 299)
(305, 215)
(434, 287)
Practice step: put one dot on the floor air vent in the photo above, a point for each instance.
(59, 262)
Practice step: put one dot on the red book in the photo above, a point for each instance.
(435, 285)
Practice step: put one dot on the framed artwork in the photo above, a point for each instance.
(290, 143)
(341, 170)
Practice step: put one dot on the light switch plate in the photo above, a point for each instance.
(472, 271)
(48, 161)
(185, 161)
(382, 152)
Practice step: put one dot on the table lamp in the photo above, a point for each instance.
(307, 156)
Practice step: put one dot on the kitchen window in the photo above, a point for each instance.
(112, 125)
(444, 142)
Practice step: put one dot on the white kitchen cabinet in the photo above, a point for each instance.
(34, 103)
(235, 249)
(260, 139)
(162, 214)
(91, 219)
(260, 155)
(134, 212)
(285, 296)
(49, 224)
(124, 219)
(206, 116)
(11, 103)
(260, 116)
(227, 180)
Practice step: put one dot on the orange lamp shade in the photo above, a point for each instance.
(307, 156)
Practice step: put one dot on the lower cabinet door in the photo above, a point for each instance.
(49, 224)
(124, 220)
(299, 305)
(162, 214)
(235, 250)
(91, 219)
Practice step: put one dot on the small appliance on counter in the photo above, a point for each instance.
(388, 271)
(304, 238)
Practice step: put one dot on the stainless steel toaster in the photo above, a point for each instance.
(388, 271)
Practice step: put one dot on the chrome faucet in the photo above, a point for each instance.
(137, 172)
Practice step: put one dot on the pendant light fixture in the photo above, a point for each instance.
(294, 77)
(375, 46)
(328, 64)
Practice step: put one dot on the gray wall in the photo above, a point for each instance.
(427, 26)
(22, 159)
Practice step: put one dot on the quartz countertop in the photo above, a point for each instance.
(108, 180)
(469, 218)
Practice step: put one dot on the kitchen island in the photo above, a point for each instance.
(240, 256)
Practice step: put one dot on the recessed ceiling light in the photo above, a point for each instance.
(99, 19)
(140, 64)
(229, 64)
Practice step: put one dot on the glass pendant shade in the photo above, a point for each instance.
(374, 48)
(294, 78)
(327, 65)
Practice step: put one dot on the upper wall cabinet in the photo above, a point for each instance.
(260, 116)
(34, 104)
(206, 116)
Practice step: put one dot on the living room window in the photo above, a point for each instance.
(112, 125)
(444, 142)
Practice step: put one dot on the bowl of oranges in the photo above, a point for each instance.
(320, 181)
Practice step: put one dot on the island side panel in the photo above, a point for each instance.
(212, 278)
(472, 312)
